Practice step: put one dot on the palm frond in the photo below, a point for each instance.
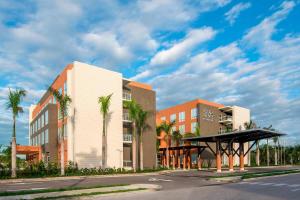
(105, 102)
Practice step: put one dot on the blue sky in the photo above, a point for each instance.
(244, 53)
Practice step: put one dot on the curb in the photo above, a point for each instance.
(107, 190)
(261, 177)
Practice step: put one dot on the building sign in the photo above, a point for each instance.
(208, 115)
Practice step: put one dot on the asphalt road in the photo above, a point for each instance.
(283, 187)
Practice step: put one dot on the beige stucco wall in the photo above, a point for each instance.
(240, 115)
(85, 84)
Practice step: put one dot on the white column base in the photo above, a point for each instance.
(231, 170)
(242, 169)
(219, 170)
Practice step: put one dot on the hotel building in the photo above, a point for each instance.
(83, 125)
(211, 118)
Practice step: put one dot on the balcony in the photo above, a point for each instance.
(126, 96)
(127, 138)
(225, 120)
(126, 117)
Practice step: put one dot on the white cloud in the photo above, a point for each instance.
(177, 52)
(235, 11)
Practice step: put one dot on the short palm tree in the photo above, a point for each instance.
(104, 102)
(64, 101)
(133, 110)
(167, 128)
(142, 125)
(13, 104)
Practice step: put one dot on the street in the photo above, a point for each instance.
(284, 187)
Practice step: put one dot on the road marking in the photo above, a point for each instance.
(279, 184)
(158, 179)
(295, 190)
(38, 188)
(26, 189)
(294, 185)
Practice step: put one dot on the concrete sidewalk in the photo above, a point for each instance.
(79, 177)
(147, 187)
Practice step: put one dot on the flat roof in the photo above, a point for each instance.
(238, 136)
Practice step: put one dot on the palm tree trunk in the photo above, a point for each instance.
(133, 147)
(62, 148)
(177, 155)
(268, 153)
(168, 156)
(13, 151)
(275, 155)
(103, 144)
(141, 152)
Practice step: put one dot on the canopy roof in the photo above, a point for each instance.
(182, 147)
(237, 136)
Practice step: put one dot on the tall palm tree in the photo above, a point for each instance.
(64, 101)
(104, 102)
(275, 140)
(133, 110)
(268, 151)
(251, 125)
(14, 100)
(142, 125)
(167, 128)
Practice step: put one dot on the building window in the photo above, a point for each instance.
(181, 116)
(46, 117)
(38, 124)
(54, 100)
(163, 118)
(42, 138)
(194, 127)
(65, 131)
(173, 118)
(42, 120)
(46, 136)
(65, 88)
(173, 129)
(182, 129)
(194, 113)
(60, 90)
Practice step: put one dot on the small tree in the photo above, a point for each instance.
(104, 102)
(14, 100)
(64, 101)
(167, 128)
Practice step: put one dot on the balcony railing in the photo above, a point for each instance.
(126, 96)
(127, 138)
(126, 117)
(225, 119)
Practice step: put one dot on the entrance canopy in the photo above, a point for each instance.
(31, 152)
(238, 136)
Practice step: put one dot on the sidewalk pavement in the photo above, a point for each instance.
(147, 187)
(78, 177)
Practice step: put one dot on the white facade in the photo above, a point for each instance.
(85, 84)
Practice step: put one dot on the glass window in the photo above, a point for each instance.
(163, 118)
(194, 113)
(173, 118)
(46, 117)
(194, 127)
(38, 124)
(182, 129)
(46, 136)
(42, 119)
(54, 100)
(181, 116)
(65, 88)
(65, 131)
(173, 128)
(42, 137)
(60, 90)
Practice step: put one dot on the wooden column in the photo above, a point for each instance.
(178, 160)
(241, 147)
(218, 157)
(189, 159)
(173, 160)
(230, 157)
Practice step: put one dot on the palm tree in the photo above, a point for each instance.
(275, 140)
(64, 101)
(13, 104)
(133, 110)
(176, 136)
(167, 128)
(104, 102)
(141, 124)
(268, 152)
(251, 125)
